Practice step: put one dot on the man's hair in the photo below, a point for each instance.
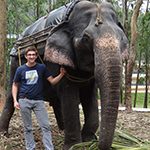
(31, 48)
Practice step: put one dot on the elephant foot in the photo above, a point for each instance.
(70, 142)
(68, 146)
(103, 146)
(88, 137)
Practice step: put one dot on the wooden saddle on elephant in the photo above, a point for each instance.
(37, 33)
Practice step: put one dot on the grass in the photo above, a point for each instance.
(139, 100)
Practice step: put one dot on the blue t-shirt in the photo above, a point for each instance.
(31, 79)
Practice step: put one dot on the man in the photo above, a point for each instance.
(30, 75)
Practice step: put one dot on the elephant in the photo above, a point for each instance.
(90, 43)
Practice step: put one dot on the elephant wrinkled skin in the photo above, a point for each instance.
(90, 50)
(85, 50)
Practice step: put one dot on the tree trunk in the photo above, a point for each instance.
(147, 66)
(17, 23)
(146, 80)
(123, 13)
(138, 70)
(126, 19)
(126, 31)
(132, 56)
(123, 20)
(50, 5)
(140, 65)
(37, 10)
(110, 1)
(137, 78)
(2, 50)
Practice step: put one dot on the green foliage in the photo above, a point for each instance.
(141, 80)
(91, 145)
(20, 14)
(122, 141)
(143, 31)
(97, 1)
(140, 99)
(60, 3)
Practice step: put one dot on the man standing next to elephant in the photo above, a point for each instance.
(30, 75)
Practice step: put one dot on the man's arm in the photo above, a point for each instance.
(14, 95)
(58, 78)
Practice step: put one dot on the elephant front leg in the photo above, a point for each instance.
(70, 101)
(89, 102)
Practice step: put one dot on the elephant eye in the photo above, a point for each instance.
(86, 37)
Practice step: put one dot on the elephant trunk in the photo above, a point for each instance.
(108, 72)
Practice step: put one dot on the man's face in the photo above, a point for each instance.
(31, 56)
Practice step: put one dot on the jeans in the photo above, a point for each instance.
(38, 106)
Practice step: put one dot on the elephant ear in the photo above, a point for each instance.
(58, 48)
(124, 45)
(120, 25)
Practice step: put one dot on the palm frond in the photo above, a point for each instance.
(81, 146)
(128, 137)
(145, 147)
(122, 141)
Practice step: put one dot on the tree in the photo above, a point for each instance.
(147, 17)
(21, 14)
(2, 49)
(126, 24)
(60, 3)
(143, 46)
(132, 55)
(138, 72)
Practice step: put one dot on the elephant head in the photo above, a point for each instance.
(97, 47)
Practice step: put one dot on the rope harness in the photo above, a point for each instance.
(19, 56)
(77, 79)
(99, 15)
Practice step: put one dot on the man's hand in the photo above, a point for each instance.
(57, 78)
(62, 70)
(14, 95)
(16, 105)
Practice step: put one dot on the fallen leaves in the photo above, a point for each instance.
(137, 123)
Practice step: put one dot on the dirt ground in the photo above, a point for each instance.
(137, 123)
